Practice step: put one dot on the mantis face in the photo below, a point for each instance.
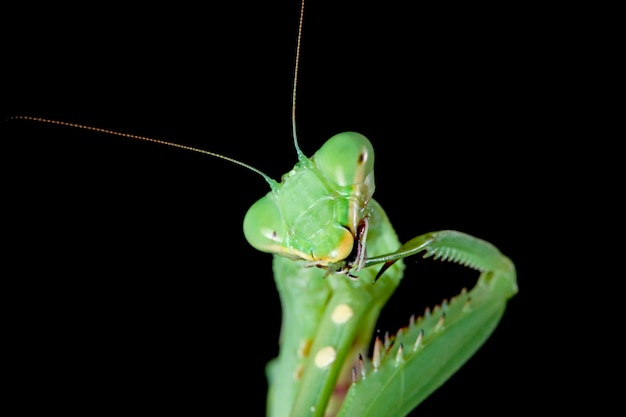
(318, 212)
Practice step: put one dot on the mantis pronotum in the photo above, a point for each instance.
(416, 220)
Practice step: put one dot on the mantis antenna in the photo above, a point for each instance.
(301, 155)
(267, 178)
(272, 183)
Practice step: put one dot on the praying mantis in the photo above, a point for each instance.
(348, 279)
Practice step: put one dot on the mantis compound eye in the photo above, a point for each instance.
(263, 226)
(347, 159)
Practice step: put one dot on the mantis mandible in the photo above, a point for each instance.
(319, 370)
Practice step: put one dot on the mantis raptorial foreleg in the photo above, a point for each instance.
(450, 335)
(453, 246)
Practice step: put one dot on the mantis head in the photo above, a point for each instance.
(315, 213)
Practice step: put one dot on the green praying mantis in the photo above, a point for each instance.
(337, 261)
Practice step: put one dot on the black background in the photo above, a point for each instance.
(132, 280)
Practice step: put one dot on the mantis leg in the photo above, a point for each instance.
(427, 352)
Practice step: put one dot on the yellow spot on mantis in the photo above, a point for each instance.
(325, 357)
(299, 371)
(342, 313)
(305, 348)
